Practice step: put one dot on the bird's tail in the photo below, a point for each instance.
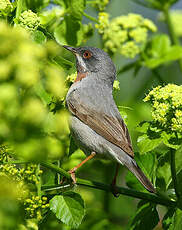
(135, 169)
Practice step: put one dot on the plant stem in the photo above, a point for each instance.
(19, 8)
(56, 187)
(90, 17)
(172, 33)
(16, 162)
(38, 184)
(63, 62)
(91, 2)
(125, 191)
(156, 73)
(56, 169)
(58, 175)
(173, 172)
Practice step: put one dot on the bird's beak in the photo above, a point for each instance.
(80, 64)
(72, 49)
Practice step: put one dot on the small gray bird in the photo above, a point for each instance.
(96, 124)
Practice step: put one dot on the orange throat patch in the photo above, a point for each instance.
(80, 76)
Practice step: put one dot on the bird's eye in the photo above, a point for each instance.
(87, 54)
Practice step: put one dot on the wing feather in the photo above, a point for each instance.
(111, 128)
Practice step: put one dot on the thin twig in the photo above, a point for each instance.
(90, 17)
(19, 8)
(125, 191)
(58, 175)
(16, 162)
(38, 184)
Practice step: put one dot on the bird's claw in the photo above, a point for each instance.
(72, 174)
(114, 190)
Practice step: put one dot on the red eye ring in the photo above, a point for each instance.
(87, 54)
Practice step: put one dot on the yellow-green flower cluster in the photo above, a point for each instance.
(30, 173)
(18, 178)
(103, 18)
(27, 84)
(29, 224)
(3, 154)
(70, 79)
(29, 20)
(116, 85)
(176, 17)
(100, 4)
(167, 106)
(5, 7)
(124, 34)
(12, 171)
(35, 205)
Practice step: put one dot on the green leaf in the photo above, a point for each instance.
(164, 179)
(60, 33)
(147, 163)
(160, 45)
(178, 159)
(133, 183)
(69, 208)
(48, 177)
(173, 221)
(146, 218)
(177, 220)
(73, 147)
(143, 127)
(170, 140)
(146, 144)
(173, 54)
(74, 33)
(36, 5)
(63, 62)
(76, 8)
(39, 37)
(167, 220)
(163, 172)
(69, 32)
(44, 96)
(159, 51)
(124, 115)
(156, 4)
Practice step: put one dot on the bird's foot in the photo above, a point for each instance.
(114, 190)
(72, 173)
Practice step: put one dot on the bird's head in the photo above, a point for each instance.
(93, 60)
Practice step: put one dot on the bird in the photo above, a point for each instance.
(96, 124)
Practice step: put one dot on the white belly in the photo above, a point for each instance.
(87, 139)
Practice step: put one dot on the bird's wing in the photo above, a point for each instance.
(111, 128)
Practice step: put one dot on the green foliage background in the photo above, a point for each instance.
(36, 149)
